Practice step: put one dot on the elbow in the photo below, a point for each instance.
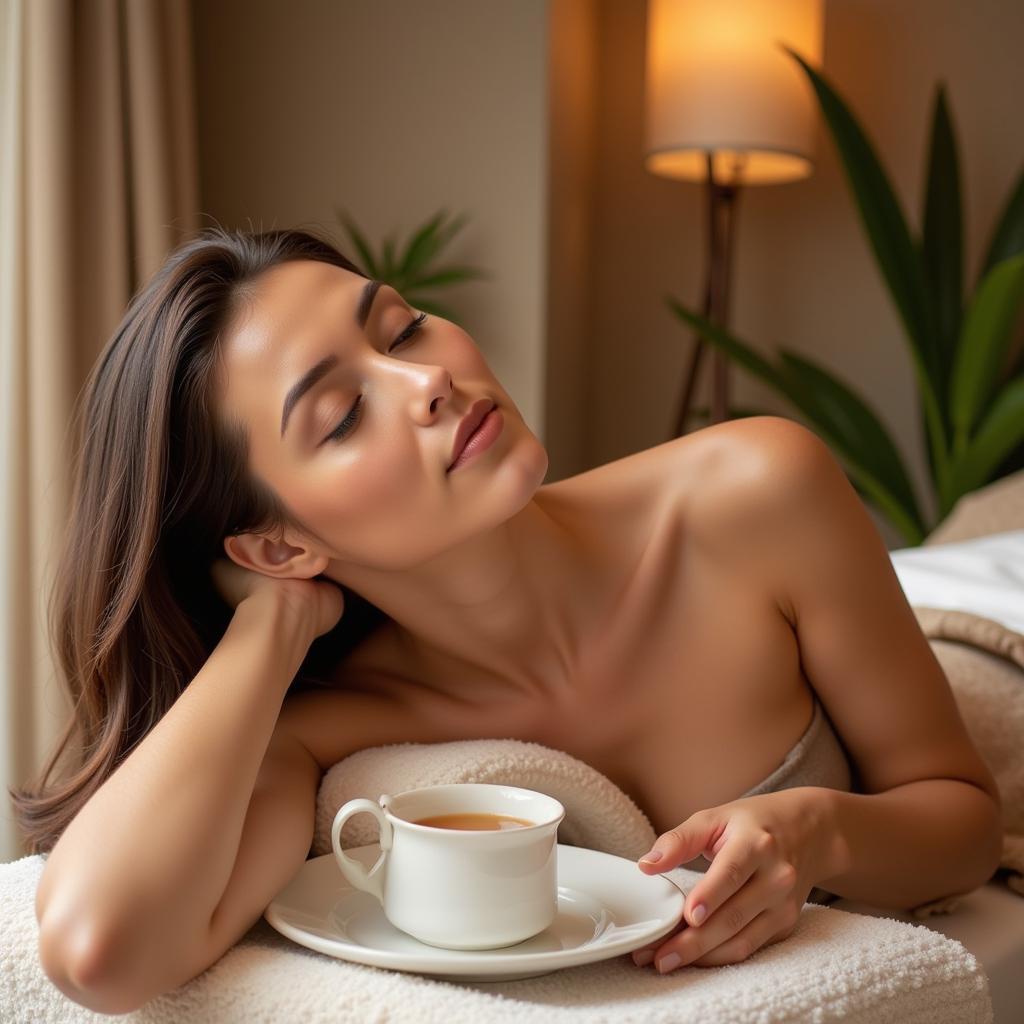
(73, 971)
(76, 962)
(986, 846)
(991, 839)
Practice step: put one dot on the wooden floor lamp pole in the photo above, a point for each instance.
(721, 221)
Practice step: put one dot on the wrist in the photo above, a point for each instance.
(289, 624)
(831, 854)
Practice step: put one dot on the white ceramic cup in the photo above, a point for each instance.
(461, 889)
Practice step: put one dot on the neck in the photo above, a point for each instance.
(513, 603)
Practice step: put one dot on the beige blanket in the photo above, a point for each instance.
(984, 662)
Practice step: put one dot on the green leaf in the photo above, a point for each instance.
(1008, 236)
(431, 244)
(387, 268)
(447, 275)
(895, 252)
(941, 241)
(998, 434)
(365, 255)
(739, 352)
(448, 231)
(858, 432)
(986, 334)
(420, 247)
(883, 219)
(867, 485)
(903, 517)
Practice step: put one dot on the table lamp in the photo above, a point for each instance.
(726, 105)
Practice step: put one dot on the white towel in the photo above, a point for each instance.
(835, 965)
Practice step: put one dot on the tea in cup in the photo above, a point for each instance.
(462, 866)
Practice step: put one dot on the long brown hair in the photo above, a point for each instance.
(159, 479)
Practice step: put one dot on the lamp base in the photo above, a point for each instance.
(721, 207)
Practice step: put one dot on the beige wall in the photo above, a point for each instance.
(572, 128)
(803, 275)
(392, 110)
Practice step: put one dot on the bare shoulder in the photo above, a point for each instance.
(777, 501)
(725, 482)
(696, 466)
(760, 457)
(744, 487)
(742, 476)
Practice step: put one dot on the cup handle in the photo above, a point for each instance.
(369, 881)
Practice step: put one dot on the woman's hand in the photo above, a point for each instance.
(318, 600)
(765, 852)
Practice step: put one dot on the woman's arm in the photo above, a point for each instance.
(911, 844)
(146, 861)
(927, 823)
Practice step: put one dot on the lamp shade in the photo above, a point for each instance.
(718, 80)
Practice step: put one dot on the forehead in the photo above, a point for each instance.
(285, 303)
(269, 342)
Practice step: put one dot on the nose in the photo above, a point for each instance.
(426, 385)
(433, 388)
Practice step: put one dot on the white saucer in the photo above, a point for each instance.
(606, 907)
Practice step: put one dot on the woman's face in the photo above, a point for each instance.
(360, 455)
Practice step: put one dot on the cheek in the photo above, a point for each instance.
(381, 511)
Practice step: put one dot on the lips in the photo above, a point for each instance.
(477, 411)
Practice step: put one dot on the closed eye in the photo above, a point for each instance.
(345, 426)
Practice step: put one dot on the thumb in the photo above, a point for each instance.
(684, 842)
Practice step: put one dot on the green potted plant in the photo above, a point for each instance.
(971, 395)
(411, 272)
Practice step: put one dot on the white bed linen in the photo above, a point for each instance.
(984, 575)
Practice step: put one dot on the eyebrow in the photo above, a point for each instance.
(313, 375)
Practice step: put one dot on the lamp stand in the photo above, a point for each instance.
(721, 205)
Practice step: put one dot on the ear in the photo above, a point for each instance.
(276, 558)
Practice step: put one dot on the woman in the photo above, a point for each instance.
(268, 457)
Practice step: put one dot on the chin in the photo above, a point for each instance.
(533, 464)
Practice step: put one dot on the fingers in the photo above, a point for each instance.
(736, 860)
(727, 937)
(684, 842)
(761, 932)
(735, 863)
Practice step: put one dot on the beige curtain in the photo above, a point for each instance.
(97, 183)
